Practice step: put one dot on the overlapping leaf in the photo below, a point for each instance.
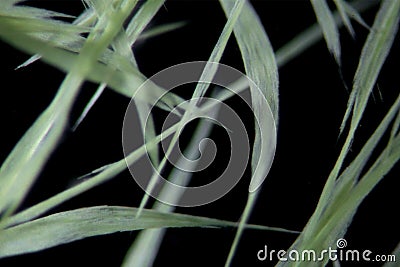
(23, 165)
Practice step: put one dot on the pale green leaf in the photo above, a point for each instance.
(148, 129)
(69, 226)
(328, 26)
(205, 79)
(340, 5)
(71, 43)
(161, 29)
(141, 19)
(210, 69)
(151, 239)
(86, 18)
(89, 105)
(22, 166)
(39, 27)
(16, 11)
(100, 175)
(355, 14)
(120, 72)
(135, 27)
(260, 65)
(100, 6)
(313, 34)
(374, 53)
(301, 43)
(354, 170)
(347, 183)
(261, 68)
(121, 49)
(28, 157)
(125, 83)
(347, 194)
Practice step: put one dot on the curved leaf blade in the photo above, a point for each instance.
(261, 67)
(69, 226)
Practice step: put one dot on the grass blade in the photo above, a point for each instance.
(210, 69)
(328, 26)
(260, 65)
(373, 55)
(141, 19)
(124, 82)
(151, 239)
(325, 228)
(69, 226)
(89, 105)
(135, 27)
(351, 175)
(101, 175)
(86, 19)
(340, 5)
(313, 34)
(104, 173)
(148, 129)
(158, 30)
(354, 14)
(23, 165)
(122, 49)
(205, 79)
(119, 74)
(17, 11)
(29, 156)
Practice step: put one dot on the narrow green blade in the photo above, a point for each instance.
(340, 5)
(260, 65)
(69, 226)
(328, 25)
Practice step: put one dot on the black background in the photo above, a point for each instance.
(312, 103)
